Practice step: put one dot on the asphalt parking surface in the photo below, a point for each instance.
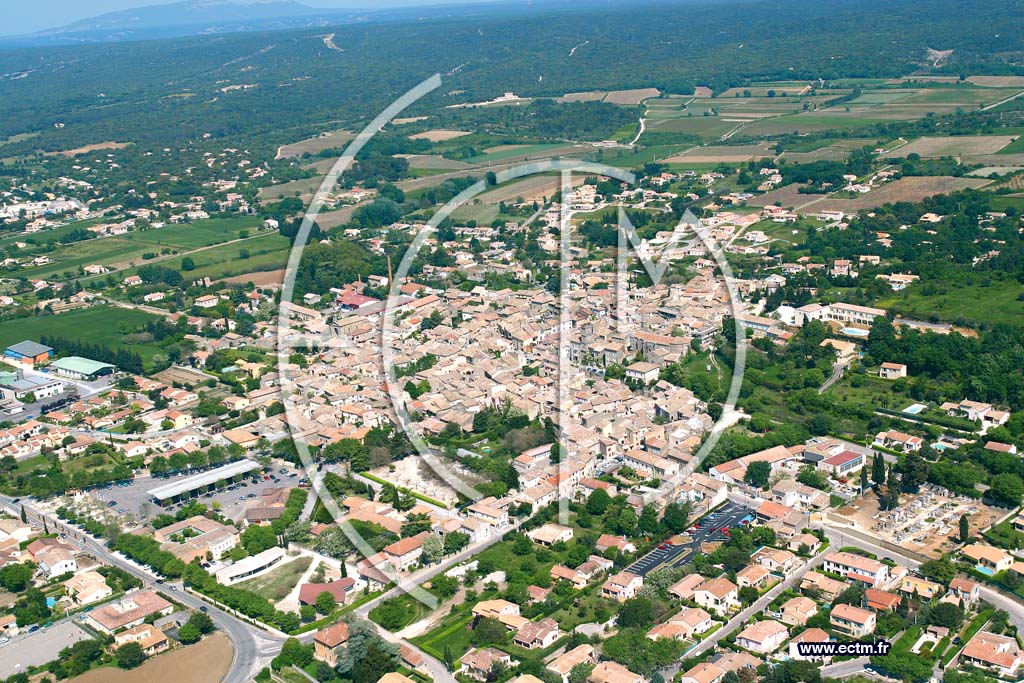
(727, 516)
(32, 649)
(135, 500)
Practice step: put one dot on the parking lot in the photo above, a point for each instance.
(132, 498)
(32, 649)
(710, 529)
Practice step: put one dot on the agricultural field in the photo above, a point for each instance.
(786, 196)
(440, 135)
(907, 189)
(112, 252)
(330, 140)
(960, 145)
(733, 154)
(199, 234)
(265, 252)
(103, 325)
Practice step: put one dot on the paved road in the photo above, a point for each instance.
(727, 516)
(837, 372)
(251, 645)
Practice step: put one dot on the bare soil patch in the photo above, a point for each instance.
(998, 81)
(321, 142)
(205, 662)
(593, 96)
(631, 96)
(84, 149)
(440, 135)
(788, 196)
(713, 154)
(267, 277)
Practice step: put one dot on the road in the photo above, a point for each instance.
(250, 644)
(1003, 101)
(837, 372)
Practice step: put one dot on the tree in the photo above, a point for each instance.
(758, 473)
(189, 634)
(636, 612)
(946, 614)
(649, 520)
(202, 621)
(455, 541)
(325, 602)
(256, 539)
(676, 518)
(489, 631)
(433, 549)
(294, 653)
(864, 480)
(130, 655)
(965, 528)
(598, 502)
(1007, 489)
(580, 673)
(878, 470)
(188, 264)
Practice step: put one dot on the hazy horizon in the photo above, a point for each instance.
(24, 18)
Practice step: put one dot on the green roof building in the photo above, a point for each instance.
(77, 367)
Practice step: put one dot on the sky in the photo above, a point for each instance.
(18, 17)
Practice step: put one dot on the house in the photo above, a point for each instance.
(856, 567)
(684, 588)
(327, 643)
(718, 595)
(56, 561)
(690, 621)
(537, 634)
(151, 639)
(642, 372)
(549, 534)
(809, 542)
(843, 464)
(504, 611)
(563, 664)
(622, 586)
(705, 672)
(777, 561)
(197, 538)
(796, 611)
(993, 652)
(898, 441)
(206, 301)
(852, 621)
(763, 636)
(825, 586)
(892, 371)
(339, 590)
(987, 560)
(965, 590)
(131, 610)
(923, 588)
(87, 587)
(881, 601)
(612, 672)
(478, 663)
(606, 541)
(752, 576)
(406, 552)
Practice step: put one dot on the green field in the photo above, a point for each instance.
(107, 251)
(999, 302)
(103, 325)
(198, 234)
(275, 585)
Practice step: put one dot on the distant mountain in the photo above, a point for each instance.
(190, 17)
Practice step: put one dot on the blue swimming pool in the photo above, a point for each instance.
(855, 332)
(915, 408)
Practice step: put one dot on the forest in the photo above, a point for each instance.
(169, 91)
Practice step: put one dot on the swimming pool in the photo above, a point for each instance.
(855, 332)
(915, 408)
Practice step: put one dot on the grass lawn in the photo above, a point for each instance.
(103, 325)
(277, 584)
(106, 251)
(998, 302)
(454, 632)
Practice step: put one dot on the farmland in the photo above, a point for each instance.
(102, 325)
(908, 189)
(954, 146)
(314, 145)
